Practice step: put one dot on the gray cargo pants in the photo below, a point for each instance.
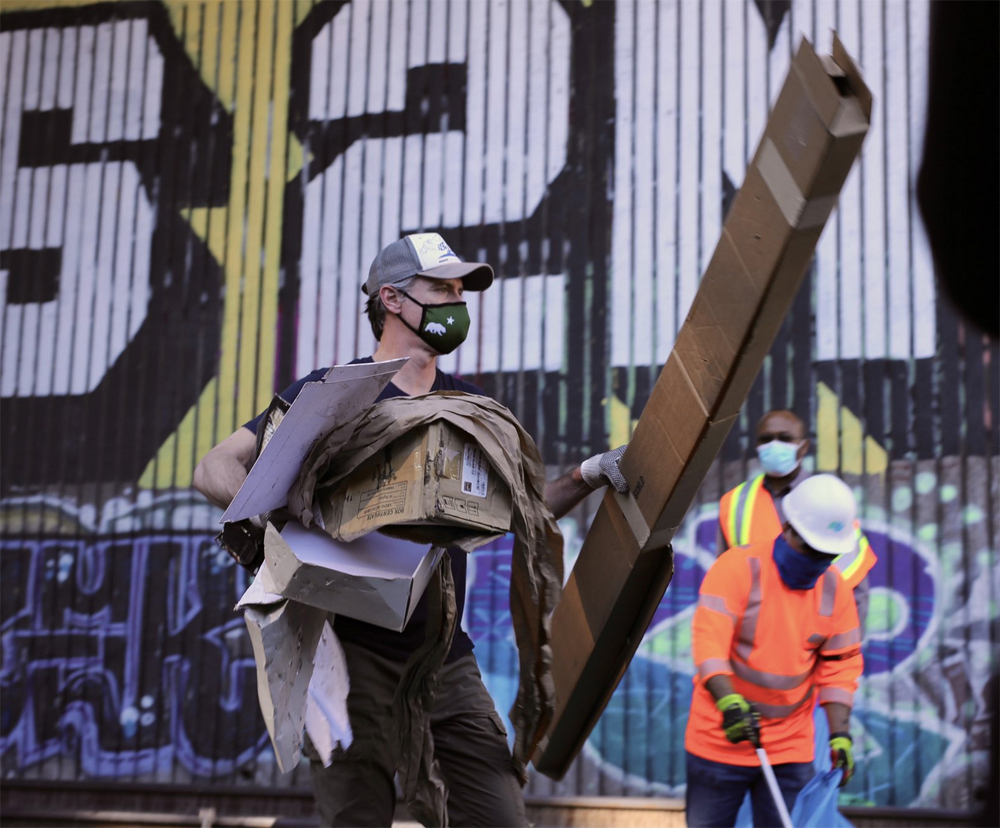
(470, 744)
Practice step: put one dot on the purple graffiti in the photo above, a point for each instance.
(125, 655)
(905, 576)
(900, 613)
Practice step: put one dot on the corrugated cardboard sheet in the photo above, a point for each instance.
(810, 143)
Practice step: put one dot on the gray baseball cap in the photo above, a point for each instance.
(424, 254)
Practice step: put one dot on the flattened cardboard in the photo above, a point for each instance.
(327, 722)
(295, 647)
(770, 234)
(345, 392)
(374, 579)
(284, 637)
(435, 476)
(607, 605)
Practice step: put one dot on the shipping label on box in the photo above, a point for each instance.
(434, 475)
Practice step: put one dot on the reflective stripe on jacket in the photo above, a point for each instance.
(747, 514)
(782, 648)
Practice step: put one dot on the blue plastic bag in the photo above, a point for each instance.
(816, 804)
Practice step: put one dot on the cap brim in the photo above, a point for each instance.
(474, 275)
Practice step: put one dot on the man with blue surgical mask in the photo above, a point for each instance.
(754, 511)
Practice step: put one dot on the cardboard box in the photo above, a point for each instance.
(810, 143)
(430, 480)
(374, 579)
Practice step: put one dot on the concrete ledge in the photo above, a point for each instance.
(606, 812)
(51, 803)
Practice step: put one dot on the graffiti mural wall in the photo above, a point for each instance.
(190, 195)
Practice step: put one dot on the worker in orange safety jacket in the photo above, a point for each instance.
(775, 629)
(753, 510)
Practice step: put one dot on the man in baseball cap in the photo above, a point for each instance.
(416, 308)
(423, 272)
(424, 254)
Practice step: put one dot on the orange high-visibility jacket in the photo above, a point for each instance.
(747, 514)
(783, 649)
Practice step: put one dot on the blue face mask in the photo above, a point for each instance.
(798, 571)
(777, 458)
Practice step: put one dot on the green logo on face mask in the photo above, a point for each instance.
(444, 327)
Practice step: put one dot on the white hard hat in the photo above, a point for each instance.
(822, 510)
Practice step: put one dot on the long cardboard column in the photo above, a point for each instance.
(810, 142)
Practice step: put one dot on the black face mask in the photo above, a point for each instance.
(444, 327)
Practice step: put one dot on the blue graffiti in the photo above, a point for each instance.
(903, 603)
(124, 654)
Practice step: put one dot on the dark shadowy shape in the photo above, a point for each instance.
(772, 12)
(957, 187)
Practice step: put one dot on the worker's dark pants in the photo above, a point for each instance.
(470, 744)
(715, 792)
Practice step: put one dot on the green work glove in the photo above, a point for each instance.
(740, 719)
(842, 755)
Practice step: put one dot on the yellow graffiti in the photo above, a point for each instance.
(622, 424)
(242, 52)
(841, 444)
(248, 67)
(39, 516)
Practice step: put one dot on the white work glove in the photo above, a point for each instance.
(602, 469)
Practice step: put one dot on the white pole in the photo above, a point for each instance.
(772, 783)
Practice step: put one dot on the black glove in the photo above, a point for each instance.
(740, 719)
(244, 541)
(602, 469)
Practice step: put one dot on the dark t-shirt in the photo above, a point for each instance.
(388, 643)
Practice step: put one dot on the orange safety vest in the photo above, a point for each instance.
(783, 649)
(747, 514)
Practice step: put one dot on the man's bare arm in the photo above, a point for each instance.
(600, 470)
(838, 716)
(720, 686)
(222, 471)
(563, 493)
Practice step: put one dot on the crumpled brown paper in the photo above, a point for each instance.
(537, 562)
